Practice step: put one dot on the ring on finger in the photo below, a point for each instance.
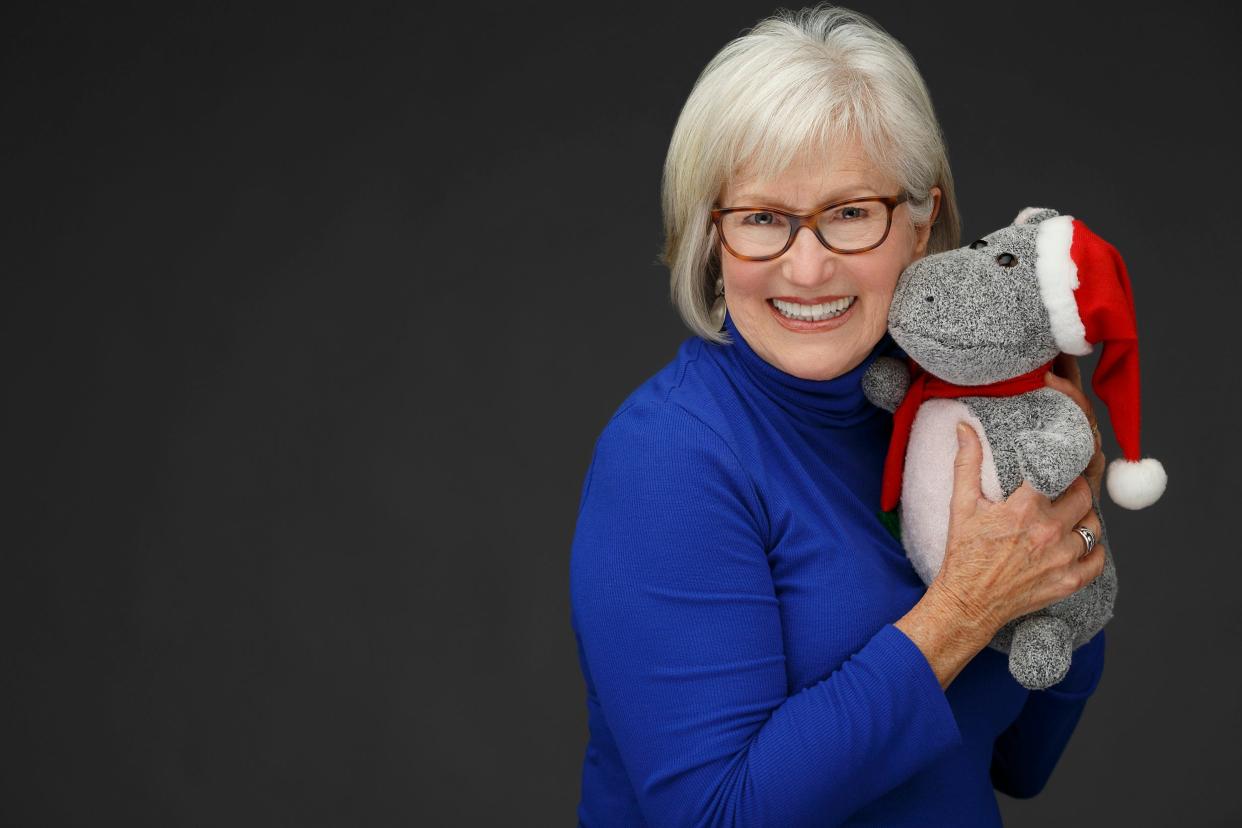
(1088, 538)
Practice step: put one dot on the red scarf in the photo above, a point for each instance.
(923, 386)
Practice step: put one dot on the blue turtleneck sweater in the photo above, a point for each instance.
(733, 596)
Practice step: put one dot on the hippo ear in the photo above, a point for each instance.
(1034, 215)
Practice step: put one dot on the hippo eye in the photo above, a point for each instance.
(1006, 260)
(977, 243)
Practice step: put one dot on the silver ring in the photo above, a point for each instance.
(1088, 536)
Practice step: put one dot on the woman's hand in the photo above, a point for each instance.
(1066, 378)
(1006, 559)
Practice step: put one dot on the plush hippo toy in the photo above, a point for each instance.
(981, 325)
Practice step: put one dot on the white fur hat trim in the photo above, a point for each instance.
(1058, 279)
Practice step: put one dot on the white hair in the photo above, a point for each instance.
(804, 81)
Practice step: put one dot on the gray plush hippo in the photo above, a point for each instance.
(981, 325)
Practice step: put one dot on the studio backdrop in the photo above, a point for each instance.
(313, 315)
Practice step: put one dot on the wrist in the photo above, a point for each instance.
(948, 637)
(972, 622)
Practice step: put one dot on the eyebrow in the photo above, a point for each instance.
(749, 199)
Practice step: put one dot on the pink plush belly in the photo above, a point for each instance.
(927, 481)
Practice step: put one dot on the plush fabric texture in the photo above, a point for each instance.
(733, 595)
(886, 381)
(927, 485)
(923, 386)
(976, 316)
(970, 320)
(1051, 444)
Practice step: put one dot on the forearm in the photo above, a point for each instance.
(835, 746)
(946, 632)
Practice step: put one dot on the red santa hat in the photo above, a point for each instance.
(1086, 289)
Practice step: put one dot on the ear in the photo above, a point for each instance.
(1034, 215)
(923, 232)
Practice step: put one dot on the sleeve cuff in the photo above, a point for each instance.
(929, 697)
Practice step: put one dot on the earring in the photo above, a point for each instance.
(718, 307)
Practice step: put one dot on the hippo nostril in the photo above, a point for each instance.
(930, 298)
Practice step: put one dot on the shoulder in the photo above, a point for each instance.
(664, 494)
(683, 397)
(671, 436)
(656, 439)
(656, 460)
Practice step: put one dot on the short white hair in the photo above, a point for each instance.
(804, 81)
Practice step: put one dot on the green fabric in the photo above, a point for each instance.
(892, 521)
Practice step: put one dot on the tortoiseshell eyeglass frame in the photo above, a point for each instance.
(811, 220)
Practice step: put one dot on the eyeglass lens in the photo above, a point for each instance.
(852, 226)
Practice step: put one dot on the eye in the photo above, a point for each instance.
(977, 243)
(761, 218)
(851, 212)
(1006, 260)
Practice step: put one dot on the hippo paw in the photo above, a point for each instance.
(885, 382)
(1050, 461)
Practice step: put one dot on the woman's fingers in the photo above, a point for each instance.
(1087, 566)
(1066, 365)
(1075, 501)
(966, 473)
(1091, 520)
(1091, 523)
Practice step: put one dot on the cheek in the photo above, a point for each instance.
(884, 283)
(743, 279)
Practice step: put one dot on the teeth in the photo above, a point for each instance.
(814, 313)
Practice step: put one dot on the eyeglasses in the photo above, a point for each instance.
(856, 225)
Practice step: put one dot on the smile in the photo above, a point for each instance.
(813, 313)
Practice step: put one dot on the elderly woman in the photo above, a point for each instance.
(757, 649)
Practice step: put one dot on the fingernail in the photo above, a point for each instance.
(961, 435)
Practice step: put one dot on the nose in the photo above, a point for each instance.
(807, 262)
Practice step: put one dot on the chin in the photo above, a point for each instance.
(821, 375)
(817, 366)
(830, 360)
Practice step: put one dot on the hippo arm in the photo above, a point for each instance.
(1059, 448)
(885, 382)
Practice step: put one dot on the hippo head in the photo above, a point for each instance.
(975, 315)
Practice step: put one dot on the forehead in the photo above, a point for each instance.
(811, 178)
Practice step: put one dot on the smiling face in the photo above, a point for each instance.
(857, 287)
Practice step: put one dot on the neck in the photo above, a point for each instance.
(834, 402)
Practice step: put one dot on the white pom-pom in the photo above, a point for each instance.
(1136, 484)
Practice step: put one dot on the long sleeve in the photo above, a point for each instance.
(676, 615)
(1025, 755)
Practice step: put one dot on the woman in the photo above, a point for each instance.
(756, 647)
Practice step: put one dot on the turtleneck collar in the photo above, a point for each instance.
(831, 403)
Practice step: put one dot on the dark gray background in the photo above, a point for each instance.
(303, 373)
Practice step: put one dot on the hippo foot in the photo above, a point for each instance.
(1040, 654)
